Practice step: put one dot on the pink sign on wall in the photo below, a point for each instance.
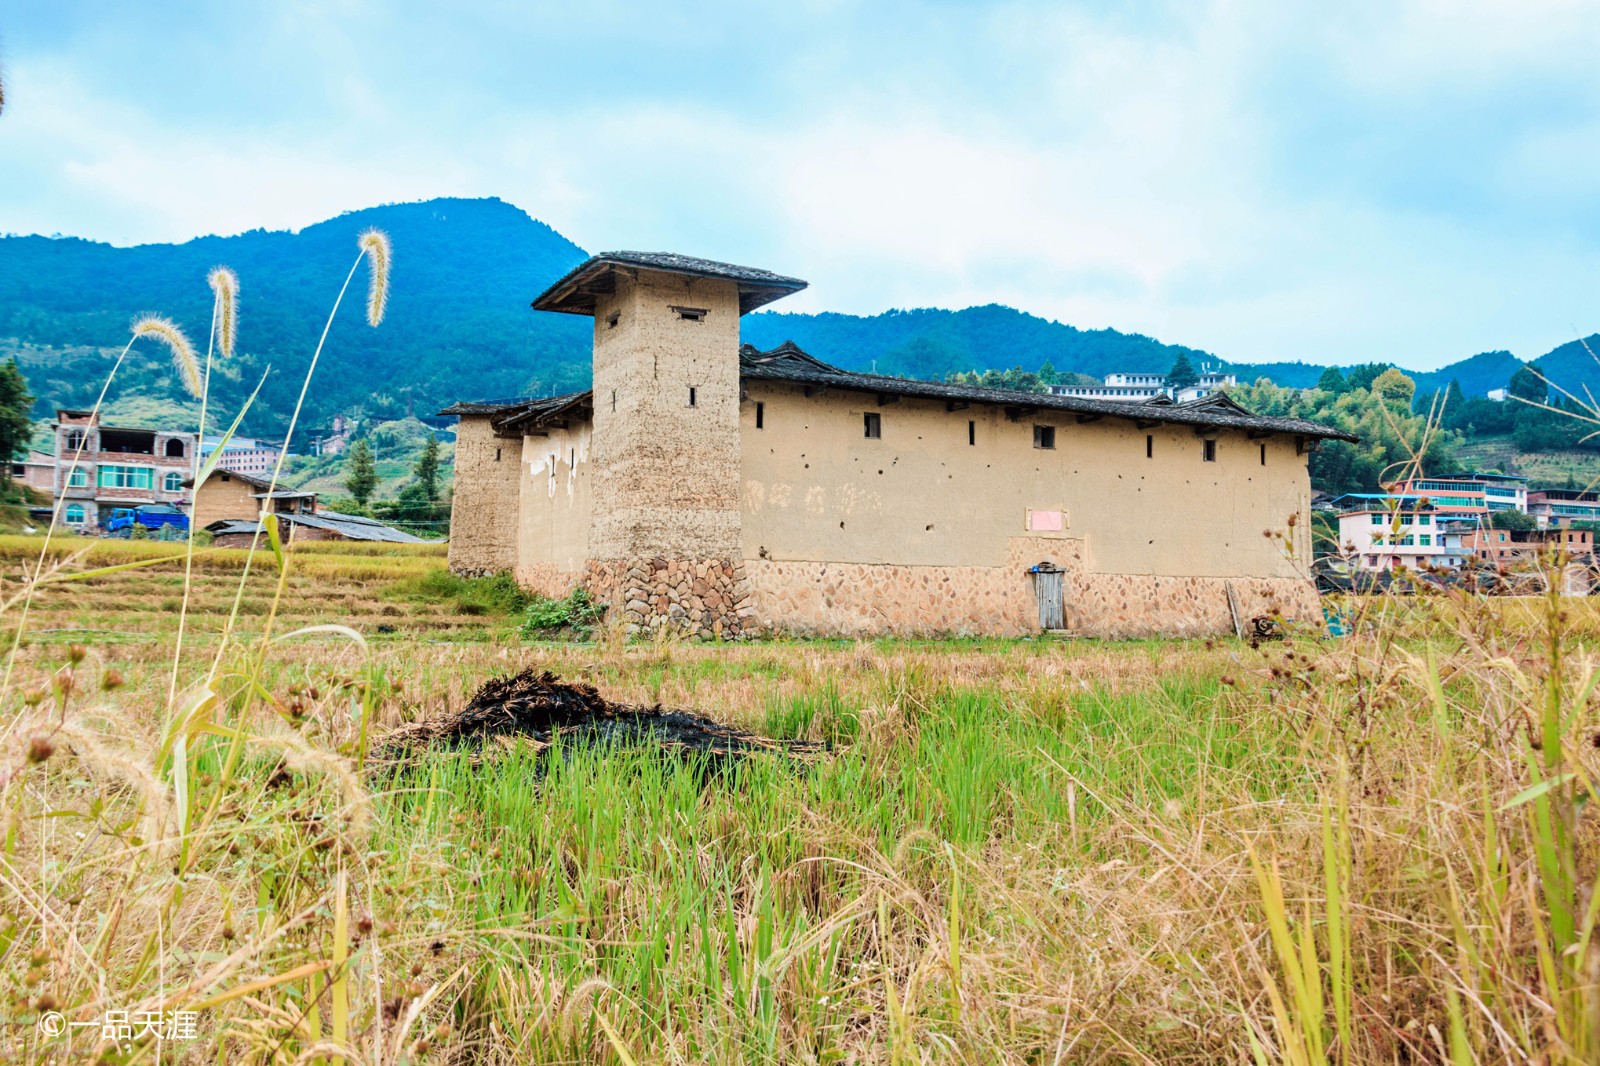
(1044, 521)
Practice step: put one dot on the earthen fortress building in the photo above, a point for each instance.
(717, 489)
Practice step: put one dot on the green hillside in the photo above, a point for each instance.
(459, 324)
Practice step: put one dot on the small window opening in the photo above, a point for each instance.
(692, 397)
(496, 458)
(761, 414)
(1208, 451)
(613, 399)
(1149, 446)
(691, 314)
(572, 458)
(872, 424)
(1263, 455)
(972, 432)
(612, 319)
(1044, 437)
(174, 449)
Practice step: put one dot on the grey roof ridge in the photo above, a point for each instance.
(788, 362)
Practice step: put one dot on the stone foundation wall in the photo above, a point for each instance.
(705, 598)
(1141, 605)
(838, 599)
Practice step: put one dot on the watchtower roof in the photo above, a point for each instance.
(575, 292)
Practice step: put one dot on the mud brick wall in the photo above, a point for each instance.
(484, 511)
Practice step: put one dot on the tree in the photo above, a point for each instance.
(1388, 437)
(1363, 375)
(1048, 374)
(1512, 520)
(427, 469)
(1332, 381)
(360, 473)
(1182, 374)
(1527, 384)
(1395, 387)
(16, 428)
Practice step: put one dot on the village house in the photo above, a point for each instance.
(100, 468)
(228, 494)
(1552, 508)
(1381, 531)
(37, 471)
(229, 506)
(714, 489)
(244, 455)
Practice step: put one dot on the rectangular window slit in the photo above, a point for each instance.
(691, 314)
(1208, 451)
(613, 399)
(1263, 455)
(612, 319)
(1149, 446)
(691, 396)
(972, 432)
(1044, 437)
(872, 424)
(761, 414)
(496, 458)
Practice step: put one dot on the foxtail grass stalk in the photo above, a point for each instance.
(374, 245)
(224, 329)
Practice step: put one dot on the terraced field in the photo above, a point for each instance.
(381, 590)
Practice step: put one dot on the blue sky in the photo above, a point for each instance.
(1267, 179)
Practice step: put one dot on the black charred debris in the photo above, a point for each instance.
(538, 707)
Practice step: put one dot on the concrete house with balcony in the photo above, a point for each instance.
(99, 468)
(1383, 531)
(714, 489)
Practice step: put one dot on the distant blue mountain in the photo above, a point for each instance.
(459, 323)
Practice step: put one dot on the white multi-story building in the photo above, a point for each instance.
(1142, 388)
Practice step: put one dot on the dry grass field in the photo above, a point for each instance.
(1372, 850)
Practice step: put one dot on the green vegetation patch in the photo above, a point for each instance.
(498, 594)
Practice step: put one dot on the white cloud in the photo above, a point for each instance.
(1262, 179)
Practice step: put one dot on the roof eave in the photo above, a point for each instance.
(575, 292)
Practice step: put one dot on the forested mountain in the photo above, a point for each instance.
(459, 324)
(458, 321)
(932, 342)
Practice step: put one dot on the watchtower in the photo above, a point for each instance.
(664, 454)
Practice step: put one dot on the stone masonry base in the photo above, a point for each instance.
(836, 599)
(729, 598)
(690, 597)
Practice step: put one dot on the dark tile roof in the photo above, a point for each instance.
(574, 293)
(351, 527)
(788, 362)
(484, 407)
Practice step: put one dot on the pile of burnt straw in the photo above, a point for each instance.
(543, 709)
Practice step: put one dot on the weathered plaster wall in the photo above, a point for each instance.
(816, 489)
(485, 510)
(920, 531)
(557, 496)
(665, 474)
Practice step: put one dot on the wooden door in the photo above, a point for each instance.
(1047, 587)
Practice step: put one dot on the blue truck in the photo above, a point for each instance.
(161, 522)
